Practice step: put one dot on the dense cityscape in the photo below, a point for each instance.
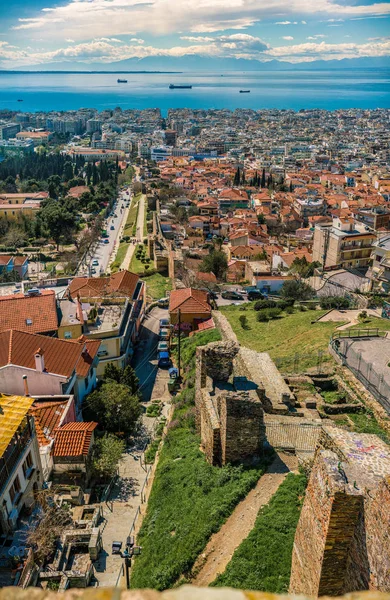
(194, 351)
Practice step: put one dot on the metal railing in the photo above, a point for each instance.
(358, 333)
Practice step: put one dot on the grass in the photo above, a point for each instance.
(132, 216)
(289, 335)
(367, 423)
(263, 560)
(190, 499)
(284, 337)
(334, 397)
(120, 256)
(157, 285)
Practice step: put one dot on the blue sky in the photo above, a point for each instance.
(103, 31)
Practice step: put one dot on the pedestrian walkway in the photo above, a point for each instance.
(139, 233)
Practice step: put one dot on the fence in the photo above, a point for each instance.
(301, 437)
(358, 333)
(373, 379)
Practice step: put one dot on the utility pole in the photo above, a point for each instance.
(179, 340)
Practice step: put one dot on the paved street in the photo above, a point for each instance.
(145, 355)
(103, 251)
(125, 498)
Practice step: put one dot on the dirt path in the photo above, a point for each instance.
(222, 544)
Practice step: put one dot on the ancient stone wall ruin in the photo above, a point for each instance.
(342, 542)
(229, 412)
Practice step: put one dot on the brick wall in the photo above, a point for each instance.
(342, 542)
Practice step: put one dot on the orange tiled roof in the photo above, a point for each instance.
(61, 357)
(189, 300)
(73, 439)
(47, 417)
(120, 283)
(17, 310)
(209, 277)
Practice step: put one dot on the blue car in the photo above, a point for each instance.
(164, 362)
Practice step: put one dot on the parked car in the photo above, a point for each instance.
(232, 296)
(95, 262)
(164, 334)
(163, 303)
(93, 271)
(255, 295)
(164, 323)
(164, 362)
(112, 227)
(163, 346)
(106, 241)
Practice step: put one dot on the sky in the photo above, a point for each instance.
(34, 32)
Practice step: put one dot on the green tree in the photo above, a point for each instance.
(15, 237)
(237, 177)
(215, 262)
(112, 373)
(114, 408)
(105, 456)
(129, 378)
(297, 289)
(59, 222)
(262, 183)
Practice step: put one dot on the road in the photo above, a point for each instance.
(145, 356)
(103, 251)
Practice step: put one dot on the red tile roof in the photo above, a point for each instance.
(17, 310)
(47, 418)
(61, 357)
(208, 277)
(189, 300)
(73, 439)
(122, 283)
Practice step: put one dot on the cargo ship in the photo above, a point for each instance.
(245, 91)
(121, 80)
(180, 87)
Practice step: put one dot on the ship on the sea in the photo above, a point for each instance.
(245, 91)
(121, 80)
(180, 87)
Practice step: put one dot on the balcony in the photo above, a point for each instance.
(16, 449)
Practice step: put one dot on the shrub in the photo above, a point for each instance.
(243, 321)
(289, 310)
(262, 316)
(274, 313)
(334, 302)
(260, 304)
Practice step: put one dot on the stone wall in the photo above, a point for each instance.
(186, 592)
(228, 417)
(342, 542)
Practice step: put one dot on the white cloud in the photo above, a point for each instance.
(137, 40)
(105, 18)
(325, 51)
(287, 37)
(317, 36)
(69, 40)
(303, 22)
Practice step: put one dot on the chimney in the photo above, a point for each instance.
(39, 360)
(25, 383)
(79, 310)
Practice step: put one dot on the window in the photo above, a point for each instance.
(14, 490)
(27, 465)
(68, 335)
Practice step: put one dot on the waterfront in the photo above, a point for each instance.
(330, 90)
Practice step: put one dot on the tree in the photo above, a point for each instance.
(297, 289)
(260, 219)
(59, 222)
(105, 456)
(15, 237)
(237, 177)
(114, 408)
(124, 376)
(54, 520)
(262, 184)
(215, 262)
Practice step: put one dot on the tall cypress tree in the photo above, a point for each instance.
(263, 179)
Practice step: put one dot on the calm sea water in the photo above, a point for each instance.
(288, 89)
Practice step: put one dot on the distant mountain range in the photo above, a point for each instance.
(204, 63)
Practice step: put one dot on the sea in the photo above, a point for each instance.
(329, 90)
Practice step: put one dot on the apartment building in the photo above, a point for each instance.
(344, 244)
(380, 270)
(20, 465)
